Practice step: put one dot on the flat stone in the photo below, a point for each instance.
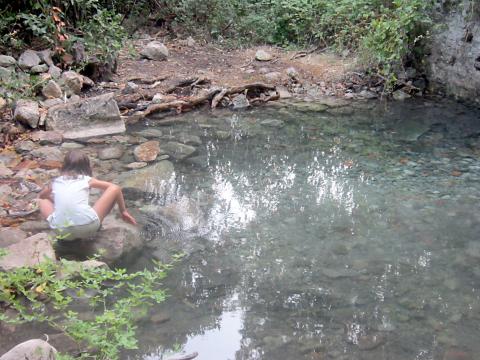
(188, 139)
(262, 55)
(155, 50)
(136, 165)
(39, 69)
(27, 112)
(150, 133)
(273, 123)
(47, 104)
(90, 117)
(28, 252)
(35, 349)
(111, 152)
(147, 151)
(28, 59)
(7, 61)
(72, 145)
(52, 90)
(47, 137)
(177, 150)
(10, 236)
(5, 171)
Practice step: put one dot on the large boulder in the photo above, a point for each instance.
(155, 50)
(91, 117)
(27, 252)
(115, 241)
(27, 112)
(151, 179)
(35, 349)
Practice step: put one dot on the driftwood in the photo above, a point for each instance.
(147, 81)
(215, 95)
(187, 82)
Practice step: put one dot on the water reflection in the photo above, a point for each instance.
(325, 239)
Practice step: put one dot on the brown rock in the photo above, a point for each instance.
(147, 152)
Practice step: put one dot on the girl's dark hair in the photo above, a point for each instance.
(76, 163)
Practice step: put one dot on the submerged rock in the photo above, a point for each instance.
(111, 152)
(177, 150)
(147, 152)
(150, 179)
(32, 350)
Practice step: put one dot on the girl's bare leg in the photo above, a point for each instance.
(106, 202)
(46, 207)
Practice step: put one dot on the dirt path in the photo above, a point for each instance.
(236, 67)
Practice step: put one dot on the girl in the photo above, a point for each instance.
(68, 211)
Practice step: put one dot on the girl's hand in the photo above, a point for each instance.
(128, 218)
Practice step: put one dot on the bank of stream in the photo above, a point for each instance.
(348, 232)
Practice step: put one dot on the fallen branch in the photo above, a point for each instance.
(217, 98)
(147, 81)
(187, 82)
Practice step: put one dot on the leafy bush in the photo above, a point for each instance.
(41, 294)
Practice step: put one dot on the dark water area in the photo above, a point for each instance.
(314, 232)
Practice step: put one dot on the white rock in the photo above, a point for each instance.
(262, 55)
(155, 50)
(35, 349)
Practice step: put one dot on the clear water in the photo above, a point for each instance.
(351, 233)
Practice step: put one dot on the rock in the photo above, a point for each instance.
(39, 69)
(5, 74)
(7, 61)
(222, 135)
(10, 236)
(28, 59)
(95, 116)
(370, 342)
(74, 98)
(34, 226)
(70, 268)
(150, 133)
(32, 350)
(47, 104)
(189, 139)
(159, 318)
(262, 55)
(111, 152)
(283, 92)
(3, 103)
(191, 42)
(240, 102)
(46, 56)
(273, 123)
(52, 90)
(47, 137)
(155, 50)
(367, 94)
(5, 171)
(400, 95)
(72, 82)
(150, 179)
(72, 145)
(87, 82)
(48, 153)
(55, 71)
(27, 112)
(273, 76)
(24, 146)
(136, 165)
(147, 151)
(28, 252)
(292, 73)
(177, 150)
(130, 88)
(114, 241)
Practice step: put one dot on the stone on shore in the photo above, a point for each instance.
(111, 152)
(28, 59)
(262, 55)
(28, 252)
(52, 90)
(35, 349)
(7, 61)
(155, 50)
(73, 82)
(115, 241)
(10, 236)
(91, 117)
(27, 112)
(177, 150)
(39, 69)
(47, 137)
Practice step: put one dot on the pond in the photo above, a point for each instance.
(321, 232)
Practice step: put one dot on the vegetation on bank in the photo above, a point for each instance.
(386, 34)
(96, 307)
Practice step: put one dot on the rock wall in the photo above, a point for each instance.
(454, 62)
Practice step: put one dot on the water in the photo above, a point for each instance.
(343, 234)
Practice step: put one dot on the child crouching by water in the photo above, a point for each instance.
(65, 202)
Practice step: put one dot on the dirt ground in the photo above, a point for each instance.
(235, 67)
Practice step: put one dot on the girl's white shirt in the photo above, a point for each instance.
(71, 202)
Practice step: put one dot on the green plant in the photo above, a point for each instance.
(47, 292)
